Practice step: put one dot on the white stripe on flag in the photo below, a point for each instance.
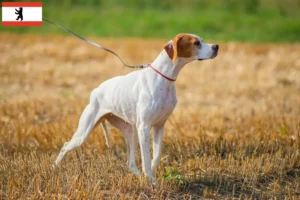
(29, 14)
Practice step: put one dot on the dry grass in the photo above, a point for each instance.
(235, 131)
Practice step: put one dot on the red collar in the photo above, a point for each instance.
(170, 79)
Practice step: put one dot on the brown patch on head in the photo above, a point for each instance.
(184, 46)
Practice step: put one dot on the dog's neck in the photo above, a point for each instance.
(165, 65)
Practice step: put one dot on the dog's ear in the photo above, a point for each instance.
(177, 46)
(169, 49)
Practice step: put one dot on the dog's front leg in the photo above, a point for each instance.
(158, 133)
(144, 137)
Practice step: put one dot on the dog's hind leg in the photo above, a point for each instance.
(130, 134)
(107, 138)
(132, 143)
(89, 118)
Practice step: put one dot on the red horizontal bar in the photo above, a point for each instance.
(21, 4)
(8, 23)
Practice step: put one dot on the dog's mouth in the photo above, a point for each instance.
(213, 56)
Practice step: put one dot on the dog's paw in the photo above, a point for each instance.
(152, 180)
(136, 171)
(108, 144)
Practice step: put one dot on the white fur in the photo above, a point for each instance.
(135, 103)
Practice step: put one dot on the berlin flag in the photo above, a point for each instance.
(21, 13)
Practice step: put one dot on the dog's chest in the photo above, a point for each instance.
(163, 104)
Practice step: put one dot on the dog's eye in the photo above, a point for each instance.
(197, 43)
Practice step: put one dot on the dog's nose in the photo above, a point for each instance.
(215, 47)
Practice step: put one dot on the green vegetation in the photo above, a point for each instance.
(173, 176)
(249, 20)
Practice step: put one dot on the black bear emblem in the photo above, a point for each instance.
(19, 13)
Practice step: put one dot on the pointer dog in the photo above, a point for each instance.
(141, 100)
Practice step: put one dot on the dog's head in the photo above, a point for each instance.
(190, 46)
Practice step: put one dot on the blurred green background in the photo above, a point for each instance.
(260, 21)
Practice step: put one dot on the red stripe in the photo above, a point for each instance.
(8, 23)
(21, 4)
(170, 79)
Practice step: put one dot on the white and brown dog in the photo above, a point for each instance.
(141, 100)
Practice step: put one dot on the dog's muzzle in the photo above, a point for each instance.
(215, 48)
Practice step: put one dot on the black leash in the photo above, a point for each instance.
(95, 44)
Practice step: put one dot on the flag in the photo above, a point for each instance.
(21, 13)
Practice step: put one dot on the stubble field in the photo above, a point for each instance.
(234, 133)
